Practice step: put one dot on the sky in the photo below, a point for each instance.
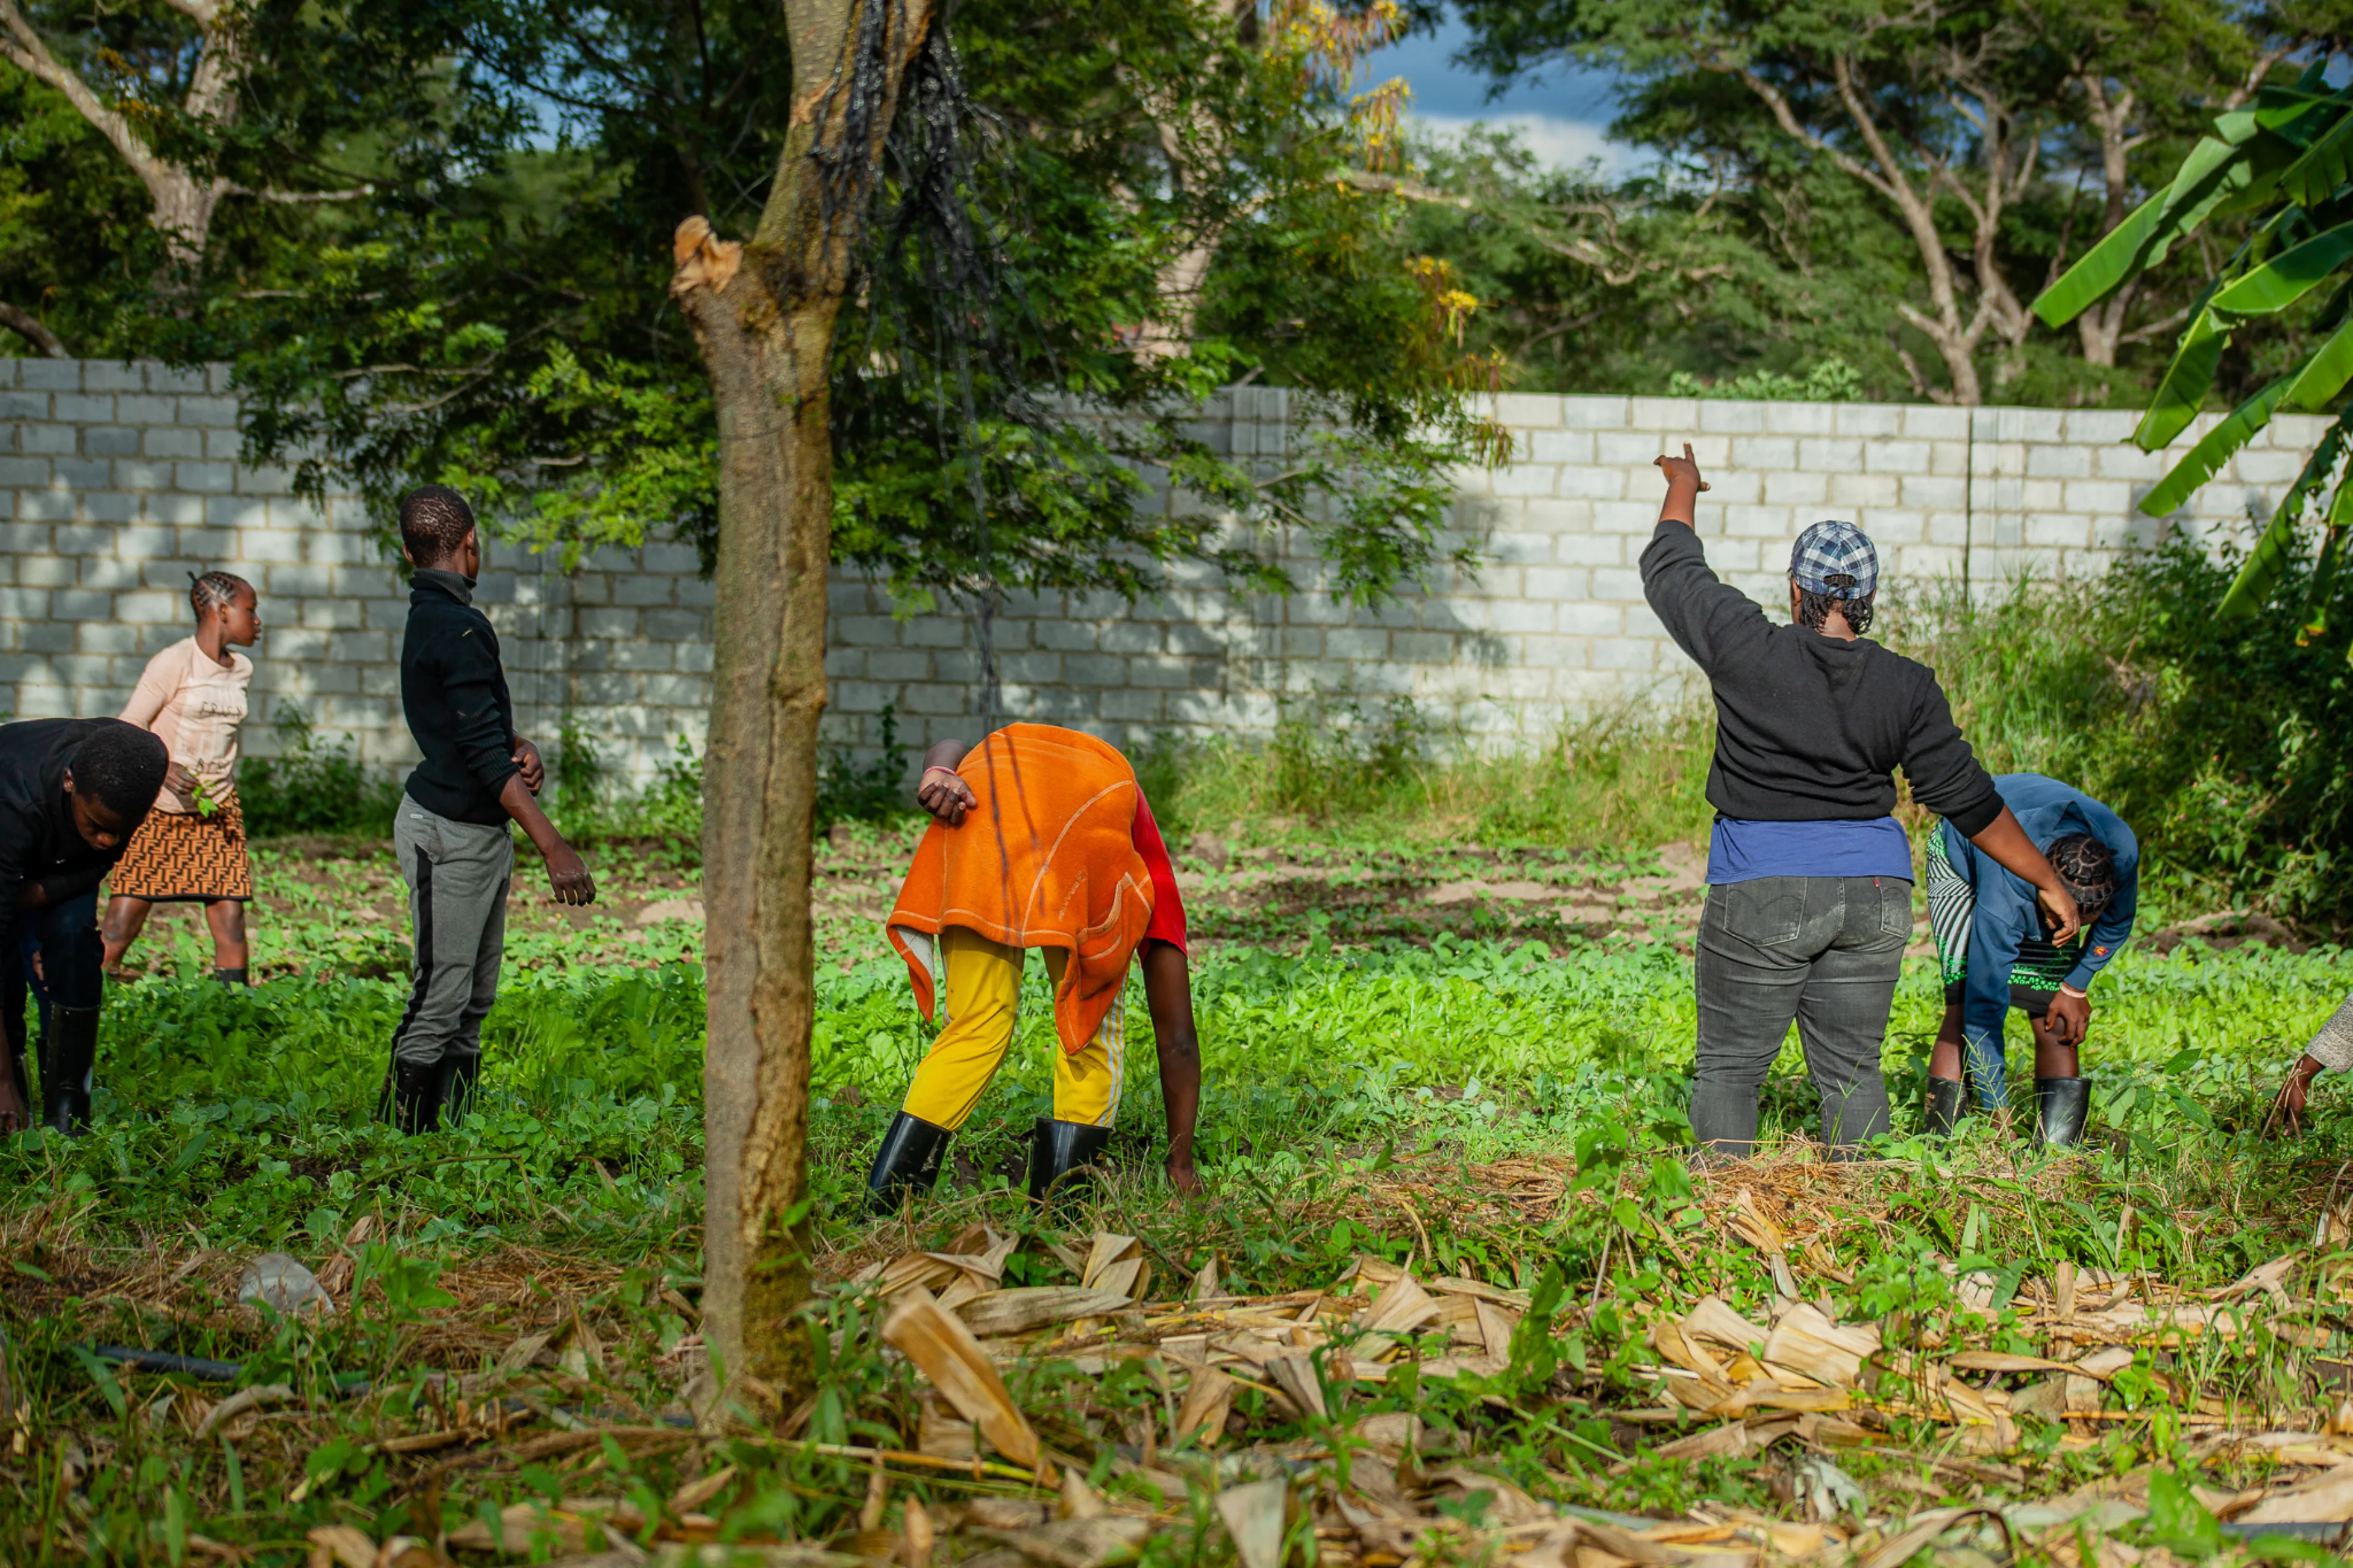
(1563, 115)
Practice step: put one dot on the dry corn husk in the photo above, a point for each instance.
(948, 1354)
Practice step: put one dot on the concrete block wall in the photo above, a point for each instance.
(1553, 624)
(117, 480)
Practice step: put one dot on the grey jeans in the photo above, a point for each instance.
(1824, 951)
(458, 874)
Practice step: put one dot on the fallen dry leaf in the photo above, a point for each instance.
(949, 1355)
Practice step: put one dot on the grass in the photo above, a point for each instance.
(1490, 1085)
(1397, 1099)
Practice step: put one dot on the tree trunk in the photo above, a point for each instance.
(764, 316)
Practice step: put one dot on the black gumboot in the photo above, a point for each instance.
(1942, 1108)
(909, 1161)
(412, 1097)
(2062, 1107)
(453, 1086)
(68, 1056)
(1058, 1152)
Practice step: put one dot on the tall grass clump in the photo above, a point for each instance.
(2227, 745)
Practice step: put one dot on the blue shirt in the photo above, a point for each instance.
(2006, 910)
(1741, 851)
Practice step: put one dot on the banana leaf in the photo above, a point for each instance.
(2228, 173)
(2289, 276)
(2268, 562)
(2324, 375)
(2146, 236)
(2178, 397)
(2202, 461)
(2322, 166)
(2103, 268)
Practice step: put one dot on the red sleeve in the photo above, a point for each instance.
(1168, 923)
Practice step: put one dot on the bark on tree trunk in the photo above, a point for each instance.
(764, 316)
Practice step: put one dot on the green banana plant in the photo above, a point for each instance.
(2288, 156)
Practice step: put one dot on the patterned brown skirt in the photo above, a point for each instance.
(178, 856)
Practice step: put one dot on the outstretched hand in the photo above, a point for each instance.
(1682, 473)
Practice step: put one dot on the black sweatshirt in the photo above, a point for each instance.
(454, 695)
(38, 842)
(1809, 728)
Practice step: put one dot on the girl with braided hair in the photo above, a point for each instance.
(191, 848)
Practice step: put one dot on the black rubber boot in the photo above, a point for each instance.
(1942, 1108)
(2062, 1107)
(1058, 1152)
(68, 1056)
(231, 977)
(412, 1097)
(908, 1161)
(453, 1086)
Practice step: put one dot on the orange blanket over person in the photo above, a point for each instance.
(1046, 859)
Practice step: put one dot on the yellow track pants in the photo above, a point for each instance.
(982, 993)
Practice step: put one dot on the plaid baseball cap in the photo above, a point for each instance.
(1835, 549)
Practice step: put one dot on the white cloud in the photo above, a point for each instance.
(1563, 143)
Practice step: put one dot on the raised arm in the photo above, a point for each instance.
(1712, 621)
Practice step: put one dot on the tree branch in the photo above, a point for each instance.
(28, 326)
(1787, 118)
(23, 48)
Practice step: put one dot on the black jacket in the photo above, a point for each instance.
(454, 695)
(1810, 728)
(39, 844)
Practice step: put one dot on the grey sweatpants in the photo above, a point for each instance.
(458, 874)
(1824, 951)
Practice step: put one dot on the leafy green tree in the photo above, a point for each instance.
(1944, 114)
(1586, 286)
(1156, 176)
(236, 130)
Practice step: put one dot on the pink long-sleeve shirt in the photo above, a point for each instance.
(194, 707)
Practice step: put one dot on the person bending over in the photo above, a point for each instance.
(1995, 955)
(1809, 875)
(191, 848)
(451, 832)
(72, 793)
(1042, 838)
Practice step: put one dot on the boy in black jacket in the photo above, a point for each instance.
(451, 831)
(73, 792)
(1809, 875)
